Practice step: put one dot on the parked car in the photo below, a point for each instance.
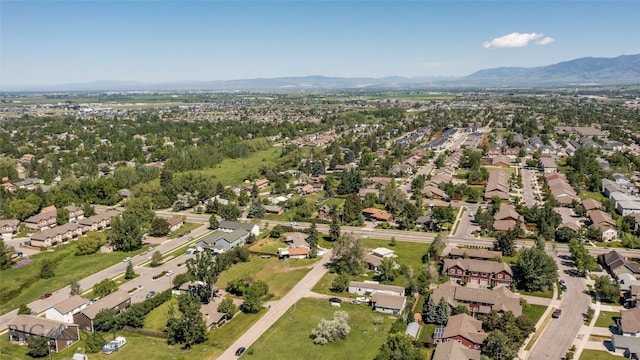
(169, 273)
(187, 232)
(126, 259)
(46, 296)
(240, 350)
(355, 302)
(151, 294)
(556, 314)
(335, 300)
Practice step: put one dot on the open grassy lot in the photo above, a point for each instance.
(267, 245)
(588, 354)
(156, 320)
(534, 312)
(234, 171)
(281, 276)
(289, 337)
(544, 294)
(22, 285)
(606, 319)
(591, 195)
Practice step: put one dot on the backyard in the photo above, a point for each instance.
(234, 171)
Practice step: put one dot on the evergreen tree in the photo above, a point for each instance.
(24, 309)
(46, 269)
(312, 239)
(429, 314)
(443, 310)
(38, 346)
(129, 273)
(334, 228)
(5, 255)
(213, 222)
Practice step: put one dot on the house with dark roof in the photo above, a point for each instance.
(99, 221)
(61, 335)
(471, 253)
(463, 329)
(479, 301)
(118, 301)
(453, 350)
(506, 218)
(56, 235)
(497, 185)
(605, 223)
(478, 272)
(617, 264)
(64, 310)
(221, 241)
(390, 304)
(230, 226)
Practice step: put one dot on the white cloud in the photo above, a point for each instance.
(517, 40)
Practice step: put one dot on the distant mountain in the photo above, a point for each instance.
(621, 70)
(602, 71)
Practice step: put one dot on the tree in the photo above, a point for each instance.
(443, 310)
(38, 346)
(499, 346)
(22, 209)
(206, 271)
(256, 210)
(126, 233)
(460, 309)
(312, 239)
(608, 290)
(24, 309)
(399, 346)
(348, 254)
(537, 270)
(156, 259)
(505, 242)
(75, 288)
(5, 255)
(388, 270)
(159, 227)
(62, 216)
(340, 283)
(581, 257)
(332, 330)
(352, 208)
(227, 307)
(46, 269)
(106, 320)
(435, 248)
(565, 235)
(229, 212)
(334, 228)
(213, 222)
(88, 210)
(129, 273)
(252, 300)
(429, 315)
(190, 328)
(104, 288)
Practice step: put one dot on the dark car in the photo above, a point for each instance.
(151, 294)
(240, 351)
(45, 296)
(556, 314)
(335, 300)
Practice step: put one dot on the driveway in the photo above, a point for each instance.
(529, 187)
(278, 308)
(561, 333)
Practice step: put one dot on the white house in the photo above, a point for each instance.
(64, 310)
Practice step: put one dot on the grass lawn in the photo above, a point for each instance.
(426, 331)
(267, 245)
(409, 253)
(186, 227)
(156, 320)
(544, 294)
(22, 285)
(611, 244)
(120, 281)
(591, 195)
(289, 337)
(606, 318)
(588, 354)
(234, 171)
(534, 312)
(281, 276)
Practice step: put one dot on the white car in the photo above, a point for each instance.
(127, 259)
(169, 273)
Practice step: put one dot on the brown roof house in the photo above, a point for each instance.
(628, 337)
(463, 329)
(64, 310)
(453, 350)
(506, 218)
(118, 301)
(478, 272)
(390, 304)
(603, 221)
(497, 185)
(377, 215)
(175, 223)
(8, 228)
(479, 254)
(61, 335)
(479, 301)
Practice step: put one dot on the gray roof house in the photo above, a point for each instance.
(229, 226)
(221, 241)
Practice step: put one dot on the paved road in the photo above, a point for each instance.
(561, 333)
(145, 283)
(279, 307)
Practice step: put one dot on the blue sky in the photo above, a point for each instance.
(56, 42)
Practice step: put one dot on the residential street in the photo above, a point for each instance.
(278, 308)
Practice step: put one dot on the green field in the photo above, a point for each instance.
(234, 171)
(186, 227)
(281, 276)
(156, 320)
(534, 312)
(289, 337)
(606, 318)
(22, 285)
(588, 354)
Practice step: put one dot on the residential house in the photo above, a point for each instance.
(501, 161)
(221, 241)
(29, 183)
(433, 192)
(175, 223)
(118, 301)
(481, 272)
(506, 218)
(390, 304)
(374, 259)
(624, 203)
(617, 264)
(41, 221)
(453, 350)
(373, 287)
(56, 235)
(632, 293)
(64, 310)
(548, 165)
(229, 226)
(591, 204)
(75, 213)
(8, 228)
(99, 221)
(61, 335)
(463, 329)
(325, 213)
(497, 185)
(273, 209)
(305, 189)
(362, 193)
(560, 188)
(293, 253)
(262, 183)
(373, 214)
(479, 301)
(478, 254)
(212, 318)
(604, 222)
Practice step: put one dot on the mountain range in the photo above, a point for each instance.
(621, 70)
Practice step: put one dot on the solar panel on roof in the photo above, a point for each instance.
(438, 333)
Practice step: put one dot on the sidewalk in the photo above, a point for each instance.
(585, 335)
(552, 304)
